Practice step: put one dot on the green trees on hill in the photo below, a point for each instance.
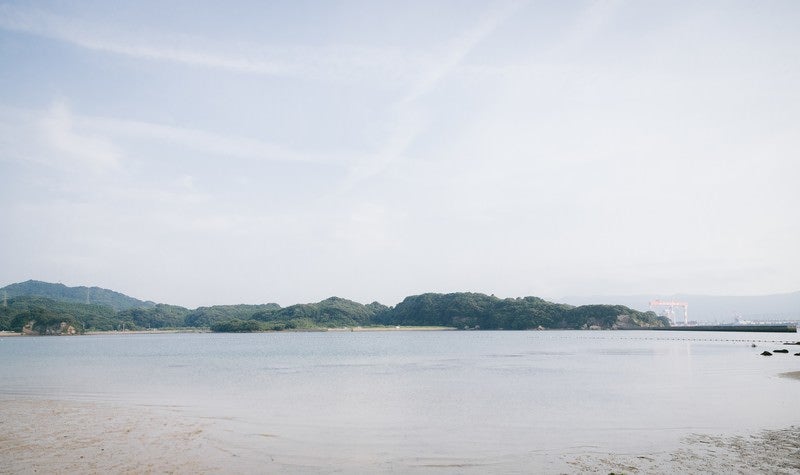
(94, 316)
(479, 311)
(244, 326)
(160, 316)
(84, 295)
(448, 310)
(41, 321)
(238, 326)
(331, 312)
(44, 315)
(459, 310)
(209, 316)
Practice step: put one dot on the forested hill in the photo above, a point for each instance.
(60, 311)
(62, 293)
(479, 311)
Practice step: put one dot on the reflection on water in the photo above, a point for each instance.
(426, 399)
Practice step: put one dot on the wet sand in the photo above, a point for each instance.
(47, 436)
(44, 436)
(791, 375)
(770, 451)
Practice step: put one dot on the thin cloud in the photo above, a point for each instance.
(410, 121)
(98, 141)
(457, 50)
(60, 133)
(342, 63)
(209, 142)
(45, 24)
(592, 20)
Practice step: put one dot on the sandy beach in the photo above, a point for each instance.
(46, 436)
(51, 436)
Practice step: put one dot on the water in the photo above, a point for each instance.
(384, 400)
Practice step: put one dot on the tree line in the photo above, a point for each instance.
(465, 310)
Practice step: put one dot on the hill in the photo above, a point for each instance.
(85, 295)
(46, 306)
(43, 315)
(209, 316)
(329, 313)
(479, 311)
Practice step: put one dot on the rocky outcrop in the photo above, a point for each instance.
(62, 328)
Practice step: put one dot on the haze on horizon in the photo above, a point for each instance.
(202, 153)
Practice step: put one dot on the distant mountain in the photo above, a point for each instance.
(44, 308)
(712, 308)
(84, 295)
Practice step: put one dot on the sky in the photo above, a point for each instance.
(200, 153)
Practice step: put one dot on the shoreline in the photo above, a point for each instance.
(391, 329)
(65, 436)
(146, 332)
(206, 330)
(347, 329)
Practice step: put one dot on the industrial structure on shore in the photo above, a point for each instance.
(666, 308)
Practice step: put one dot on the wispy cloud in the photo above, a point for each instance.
(410, 120)
(42, 23)
(458, 49)
(338, 62)
(209, 142)
(100, 141)
(59, 131)
(418, 73)
(591, 21)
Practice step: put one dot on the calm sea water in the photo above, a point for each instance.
(382, 399)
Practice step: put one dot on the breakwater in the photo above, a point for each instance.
(788, 328)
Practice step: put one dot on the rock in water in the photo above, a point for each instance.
(780, 351)
(766, 353)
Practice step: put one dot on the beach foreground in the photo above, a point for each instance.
(46, 436)
(52, 436)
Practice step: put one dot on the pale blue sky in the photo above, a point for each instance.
(199, 153)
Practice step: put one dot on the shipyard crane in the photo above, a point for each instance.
(667, 309)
